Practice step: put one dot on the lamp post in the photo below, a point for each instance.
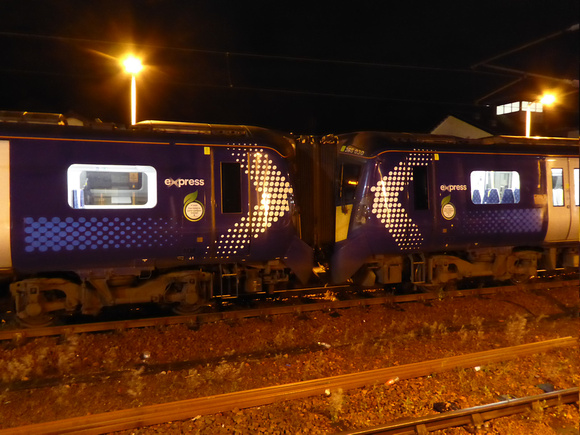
(546, 100)
(133, 66)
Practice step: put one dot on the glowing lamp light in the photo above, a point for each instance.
(547, 100)
(133, 66)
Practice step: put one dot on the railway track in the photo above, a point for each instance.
(148, 369)
(474, 417)
(186, 409)
(201, 318)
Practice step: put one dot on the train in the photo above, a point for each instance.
(182, 214)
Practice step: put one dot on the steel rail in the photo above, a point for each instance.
(186, 409)
(475, 416)
(18, 334)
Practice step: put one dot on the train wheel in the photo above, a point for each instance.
(36, 321)
(520, 278)
(440, 288)
(31, 315)
(523, 265)
(187, 309)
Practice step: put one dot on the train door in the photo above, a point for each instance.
(575, 206)
(232, 214)
(5, 255)
(349, 174)
(563, 200)
(573, 171)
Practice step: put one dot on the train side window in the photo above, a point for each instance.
(495, 187)
(557, 187)
(420, 187)
(576, 188)
(349, 175)
(231, 184)
(111, 186)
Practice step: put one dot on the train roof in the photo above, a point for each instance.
(56, 126)
(369, 144)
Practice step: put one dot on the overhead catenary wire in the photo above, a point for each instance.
(484, 62)
(525, 74)
(231, 83)
(229, 58)
(230, 54)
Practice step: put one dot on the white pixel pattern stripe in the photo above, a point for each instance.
(273, 201)
(388, 209)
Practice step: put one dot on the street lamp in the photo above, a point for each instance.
(546, 100)
(133, 66)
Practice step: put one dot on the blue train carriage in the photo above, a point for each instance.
(167, 212)
(431, 210)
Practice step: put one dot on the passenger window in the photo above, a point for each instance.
(231, 187)
(111, 186)
(557, 187)
(576, 188)
(420, 188)
(495, 187)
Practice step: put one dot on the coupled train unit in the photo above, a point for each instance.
(182, 213)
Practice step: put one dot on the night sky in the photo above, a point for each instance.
(308, 67)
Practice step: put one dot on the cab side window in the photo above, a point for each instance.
(349, 177)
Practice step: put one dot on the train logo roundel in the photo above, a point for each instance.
(448, 210)
(193, 210)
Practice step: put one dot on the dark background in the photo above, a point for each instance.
(314, 67)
